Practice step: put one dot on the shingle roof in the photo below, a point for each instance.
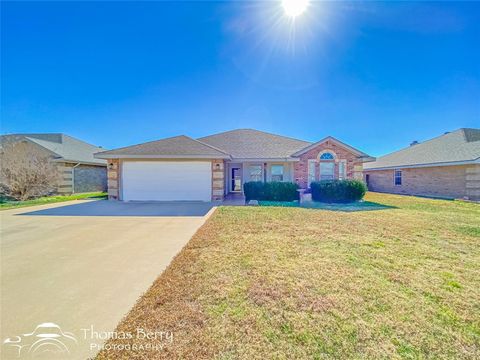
(331, 138)
(175, 147)
(64, 147)
(254, 144)
(462, 145)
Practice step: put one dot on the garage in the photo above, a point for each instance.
(166, 180)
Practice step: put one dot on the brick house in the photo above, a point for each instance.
(78, 170)
(447, 166)
(208, 168)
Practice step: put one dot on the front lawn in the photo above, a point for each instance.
(294, 283)
(5, 205)
(354, 206)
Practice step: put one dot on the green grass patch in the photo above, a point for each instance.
(51, 199)
(469, 230)
(283, 282)
(347, 207)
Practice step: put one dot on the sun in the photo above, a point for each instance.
(293, 8)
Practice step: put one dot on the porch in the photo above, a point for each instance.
(238, 173)
(234, 199)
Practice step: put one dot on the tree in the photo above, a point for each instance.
(26, 173)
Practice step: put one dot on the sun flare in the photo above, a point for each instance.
(294, 8)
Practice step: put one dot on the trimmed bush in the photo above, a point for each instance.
(281, 191)
(253, 190)
(338, 191)
(270, 191)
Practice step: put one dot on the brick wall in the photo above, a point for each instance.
(113, 179)
(354, 165)
(64, 178)
(472, 182)
(440, 181)
(218, 180)
(90, 178)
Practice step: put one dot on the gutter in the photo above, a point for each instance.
(451, 163)
(118, 156)
(61, 159)
(366, 159)
(252, 160)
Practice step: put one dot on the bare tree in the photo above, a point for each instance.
(26, 174)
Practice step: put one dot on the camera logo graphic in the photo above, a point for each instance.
(46, 339)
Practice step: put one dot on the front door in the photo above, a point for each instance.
(236, 184)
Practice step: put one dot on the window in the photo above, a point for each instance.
(398, 177)
(311, 171)
(327, 156)
(255, 172)
(327, 170)
(342, 170)
(277, 172)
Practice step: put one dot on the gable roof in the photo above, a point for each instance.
(338, 142)
(63, 147)
(238, 145)
(460, 146)
(255, 144)
(177, 147)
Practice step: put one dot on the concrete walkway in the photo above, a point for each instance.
(82, 265)
(234, 199)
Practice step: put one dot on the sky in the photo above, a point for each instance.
(376, 75)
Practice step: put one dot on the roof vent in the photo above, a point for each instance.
(414, 142)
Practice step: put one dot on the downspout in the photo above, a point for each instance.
(73, 178)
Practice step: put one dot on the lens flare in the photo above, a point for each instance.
(294, 8)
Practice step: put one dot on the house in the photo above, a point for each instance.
(208, 168)
(79, 171)
(447, 166)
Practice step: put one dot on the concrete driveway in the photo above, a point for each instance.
(82, 265)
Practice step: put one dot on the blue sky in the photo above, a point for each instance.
(376, 75)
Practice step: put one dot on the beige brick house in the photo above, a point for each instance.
(78, 170)
(447, 166)
(182, 168)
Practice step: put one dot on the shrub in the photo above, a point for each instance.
(338, 191)
(25, 174)
(254, 190)
(280, 191)
(270, 191)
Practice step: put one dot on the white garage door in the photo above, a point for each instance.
(167, 180)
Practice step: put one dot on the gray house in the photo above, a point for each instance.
(79, 170)
(447, 166)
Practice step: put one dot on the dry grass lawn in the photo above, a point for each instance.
(292, 283)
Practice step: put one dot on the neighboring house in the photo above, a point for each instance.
(447, 166)
(182, 168)
(79, 170)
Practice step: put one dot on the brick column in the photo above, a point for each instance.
(472, 182)
(113, 179)
(358, 171)
(218, 180)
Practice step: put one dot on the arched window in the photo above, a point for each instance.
(327, 156)
(327, 166)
